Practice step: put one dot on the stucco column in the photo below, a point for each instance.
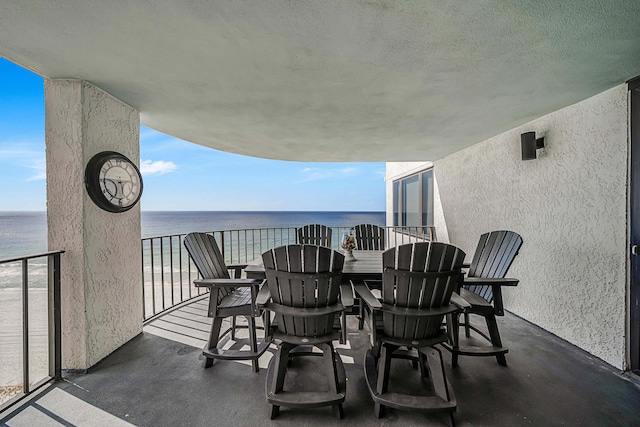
(101, 291)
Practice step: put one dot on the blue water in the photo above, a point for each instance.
(25, 233)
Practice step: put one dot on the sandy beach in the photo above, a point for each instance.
(11, 339)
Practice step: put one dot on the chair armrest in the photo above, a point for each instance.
(365, 294)
(237, 269)
(235, 266)
(460, 302)
(226, 283)
(346, 295)
(479, 281)
(264, 295)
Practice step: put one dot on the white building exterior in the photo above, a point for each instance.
(570, 206)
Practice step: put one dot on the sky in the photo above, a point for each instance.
(178, 175)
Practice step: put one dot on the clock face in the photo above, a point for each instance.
(113, 182)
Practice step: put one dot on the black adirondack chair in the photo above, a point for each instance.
(306, 296)
(418, 281)
(314, 234)
(369, 237)
(482, 294)
(229, 297)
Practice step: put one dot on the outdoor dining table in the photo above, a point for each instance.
(368, 266)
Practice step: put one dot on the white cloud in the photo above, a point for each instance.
(26, 155)
(349, 171)
(20, 153)
(40, 166)
(159, 167)
(315, 174)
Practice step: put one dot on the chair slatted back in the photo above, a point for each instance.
(308, 277)
(369, 237)
(493, 257)
(314, 234)
(418, 275)
(206, 255)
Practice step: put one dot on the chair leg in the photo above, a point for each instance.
(275, 410)
(454, 359)
(233, 328)
(338, 412)
(492, 326)
(208, 362)
(378, 410)
(214, 334)
(282, 356)
(214, 337)
(329, 360)
(422, 360)
(467, 329)
(361, 315)
(253, 342)
(453, 325)
(436, 367)
(384, 366)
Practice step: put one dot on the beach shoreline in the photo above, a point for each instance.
(11, 350)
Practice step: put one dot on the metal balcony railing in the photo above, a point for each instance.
(168, 273)
(30, 287)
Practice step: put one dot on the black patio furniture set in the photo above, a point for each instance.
(414, 298)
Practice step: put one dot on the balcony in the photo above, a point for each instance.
(157, 378)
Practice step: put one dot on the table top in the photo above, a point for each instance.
(368, 266)
(368, 263)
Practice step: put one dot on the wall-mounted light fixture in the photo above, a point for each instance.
(530, 144)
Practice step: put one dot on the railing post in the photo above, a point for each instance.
(222, 248)
(55, 318)
(153, 279)
(171, 269)
(25, 326)
(180, 263)
(162, 272)
(144, 304)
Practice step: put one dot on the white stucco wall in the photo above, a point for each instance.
(101, 292)
(570, 208)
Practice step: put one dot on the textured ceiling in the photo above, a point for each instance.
(331, 80)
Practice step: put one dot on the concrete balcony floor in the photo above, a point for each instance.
(157, 379)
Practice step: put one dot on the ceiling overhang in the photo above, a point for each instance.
(331, 80)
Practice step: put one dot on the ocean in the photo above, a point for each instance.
(25, 233)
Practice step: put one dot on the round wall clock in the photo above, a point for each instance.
(113, 181)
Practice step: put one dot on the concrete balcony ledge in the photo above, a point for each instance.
(157, 379)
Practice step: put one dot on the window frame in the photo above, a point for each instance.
(398, 195)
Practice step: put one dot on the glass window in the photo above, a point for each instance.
(410, 201)
(396, 201)
(413, 200)
(427, 198)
